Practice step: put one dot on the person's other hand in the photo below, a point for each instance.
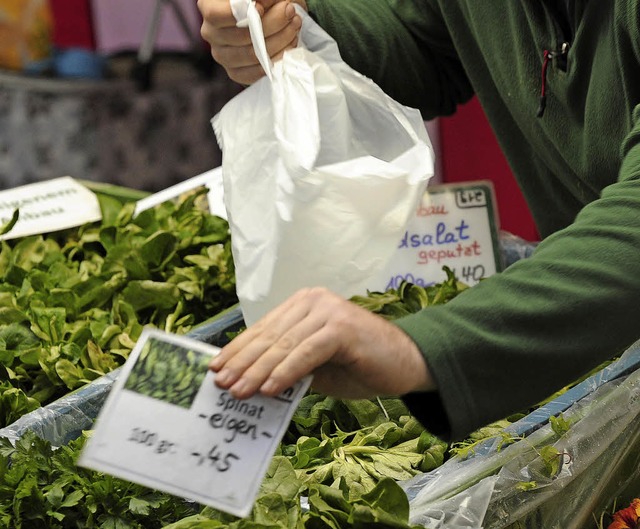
(231, 46)
(351, 352)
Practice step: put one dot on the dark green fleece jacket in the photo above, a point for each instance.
(520, 335)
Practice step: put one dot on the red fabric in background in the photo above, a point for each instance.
(470, 151)
(72, 24)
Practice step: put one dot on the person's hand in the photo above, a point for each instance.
(351, 352)
(231, 46)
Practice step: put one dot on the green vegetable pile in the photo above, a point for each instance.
(342, 456)
(71, 308)
(347, 479)
(357, 443)
(42, 488)
(73, 303)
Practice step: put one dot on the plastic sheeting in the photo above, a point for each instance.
(545, 479)
(514, 248)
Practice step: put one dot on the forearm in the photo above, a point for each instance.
(517, 337)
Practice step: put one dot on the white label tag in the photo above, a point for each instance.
(167, 426)
(48, 206)
(455, 226)
(212, 180)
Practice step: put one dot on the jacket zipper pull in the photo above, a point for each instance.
(547, 57)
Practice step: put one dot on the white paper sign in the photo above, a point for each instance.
(48, 206)
(167, 426)
(455, 225)
(212, 180)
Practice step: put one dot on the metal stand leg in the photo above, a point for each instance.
(142, 71)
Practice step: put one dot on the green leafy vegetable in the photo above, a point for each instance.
(342, 456)
(41, 488)
(73, 303)
(7, 227)
(410, 298)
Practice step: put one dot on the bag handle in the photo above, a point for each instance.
(246, 14)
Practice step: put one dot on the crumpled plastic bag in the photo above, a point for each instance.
(321, 172)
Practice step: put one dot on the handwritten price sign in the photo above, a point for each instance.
(455, 225)
(167, 426)
(52, 205)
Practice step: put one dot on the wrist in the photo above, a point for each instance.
(421, 377)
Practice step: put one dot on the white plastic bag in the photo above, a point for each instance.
(321, 172)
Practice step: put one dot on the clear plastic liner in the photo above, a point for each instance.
(544, 479)
(64, 419)
(513, 248)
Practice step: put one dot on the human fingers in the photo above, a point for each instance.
(240, 342)
(241, 63)
(268, 4)
(264, 374)
(281, 26)
(243, 350)
(352, 354)
(286, 349)
(248, 361)
(230, 46)
(216, 13)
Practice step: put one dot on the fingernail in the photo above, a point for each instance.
(214, 364)
(239, 388)
(224, 377)
(269, 387)
(289, 11)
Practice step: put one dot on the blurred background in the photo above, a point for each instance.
(123, 91)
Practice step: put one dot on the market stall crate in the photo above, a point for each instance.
(556, 468)
(539, 472)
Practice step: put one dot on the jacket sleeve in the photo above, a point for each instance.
(402, 45)
(520, 335)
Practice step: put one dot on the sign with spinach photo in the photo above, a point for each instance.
(168, 372)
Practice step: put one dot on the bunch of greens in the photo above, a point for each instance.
(73, 303)
(409, 298)
(42, 488)
(278, 506)
(358, 443)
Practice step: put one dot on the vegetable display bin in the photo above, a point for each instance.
(539, 472)
(73, 316)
